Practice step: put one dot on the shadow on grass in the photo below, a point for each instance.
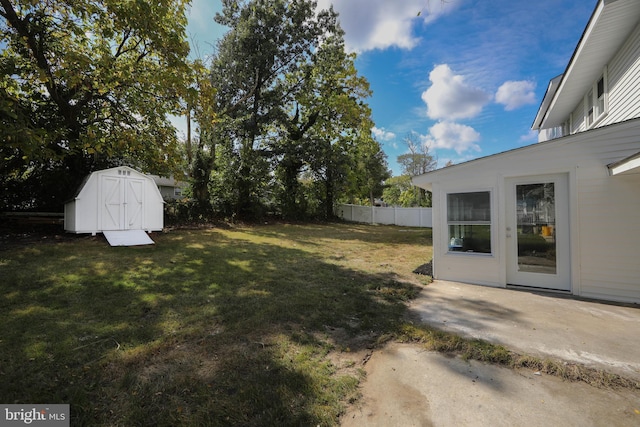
(205, 328)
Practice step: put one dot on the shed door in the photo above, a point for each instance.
(133, 208)
(123, 207)
(538, 232)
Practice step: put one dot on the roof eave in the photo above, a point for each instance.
(552, 88)
(598, 43)
(626, 166)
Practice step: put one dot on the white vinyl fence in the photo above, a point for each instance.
(407, 217)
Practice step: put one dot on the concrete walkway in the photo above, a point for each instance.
(408, 386)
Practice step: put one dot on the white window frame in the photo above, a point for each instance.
(592, 101)
(472, 222)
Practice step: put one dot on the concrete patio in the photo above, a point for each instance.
(409, 386)
(596, 334)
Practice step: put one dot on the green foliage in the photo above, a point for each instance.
(532, 244)
(399, 191)
(418, 160)
(414, 164)
(87, 83)
(292, 130)
(267, 42)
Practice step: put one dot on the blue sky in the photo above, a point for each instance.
(465, 76)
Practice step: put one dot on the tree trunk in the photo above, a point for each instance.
(291, 168)
(189, 153)
(329, 194)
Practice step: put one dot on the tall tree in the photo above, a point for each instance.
(86, 83)
(373, 168)
(200, 152)
(343, 156)
(321, 82)
(291, 108)
(416, 162)
(269, 40)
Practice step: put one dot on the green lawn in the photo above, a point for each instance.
(257, 325)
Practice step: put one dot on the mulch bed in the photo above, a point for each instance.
(425, 269)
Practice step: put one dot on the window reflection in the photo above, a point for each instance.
(469, 222)
(535, 211)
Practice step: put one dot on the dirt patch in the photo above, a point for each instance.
(14, 235)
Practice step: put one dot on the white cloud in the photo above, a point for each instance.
(516, 94)
(382, 135)
(380, 24)
(452, 136)
(450, 98)
(532, 136)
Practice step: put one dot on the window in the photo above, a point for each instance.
(590, 108)
(560, 131)
(469, 222)
(600, 96)
(596, 101)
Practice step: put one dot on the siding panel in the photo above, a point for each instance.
(605, 210)
(624, 81)
(623, 86)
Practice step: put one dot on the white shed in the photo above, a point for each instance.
(115, 199)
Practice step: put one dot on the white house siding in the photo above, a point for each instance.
(480, 269)
(578, 123)
(624, 81)
(604, 210)
(609, 221)
(610, 239)
(168, 193)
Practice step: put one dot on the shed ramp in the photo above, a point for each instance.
(127, 237)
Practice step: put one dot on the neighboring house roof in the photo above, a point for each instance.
(167, 181)
(609, 26)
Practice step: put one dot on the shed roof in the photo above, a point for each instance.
(86, 178)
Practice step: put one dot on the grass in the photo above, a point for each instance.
(249, 326)
(260, 325)
(475, 349)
